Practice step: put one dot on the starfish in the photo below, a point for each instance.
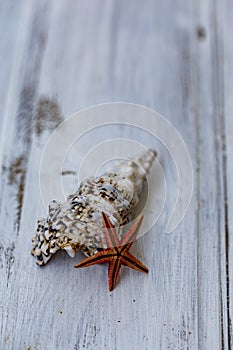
(117, 253)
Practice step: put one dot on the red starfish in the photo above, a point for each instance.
(117, 253)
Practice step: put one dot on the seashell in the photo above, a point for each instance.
(77, 224)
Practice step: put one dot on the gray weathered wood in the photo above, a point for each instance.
(227, 154)
(173, 56)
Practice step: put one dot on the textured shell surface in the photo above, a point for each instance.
(76, 224)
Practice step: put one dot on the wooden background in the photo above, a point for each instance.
(60, 56)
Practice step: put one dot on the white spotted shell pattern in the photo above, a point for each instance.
(77, 224)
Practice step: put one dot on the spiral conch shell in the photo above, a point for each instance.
(77, 225)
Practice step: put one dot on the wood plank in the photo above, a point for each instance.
(227, 153)
(16, 141)
(211, 268)
(70, 56)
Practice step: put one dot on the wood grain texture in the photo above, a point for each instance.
(176, 57)
(227, 153)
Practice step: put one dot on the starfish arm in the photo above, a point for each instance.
(111, 237)
(130, 261)
(117, 252)
(113, 271)
(104, 256)
(131, 235)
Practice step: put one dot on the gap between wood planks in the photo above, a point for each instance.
(218, 83)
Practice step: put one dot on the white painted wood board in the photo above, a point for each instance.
(175, 57)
